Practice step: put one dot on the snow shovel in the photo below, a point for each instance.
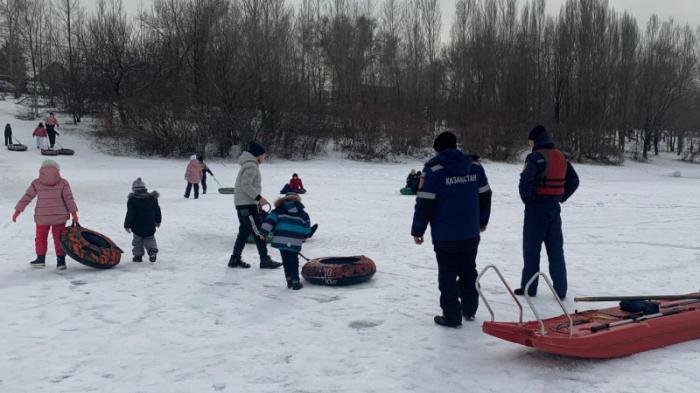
(222, 189)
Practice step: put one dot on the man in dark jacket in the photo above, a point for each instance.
(142, 217)
(454, 197)
(548, 179)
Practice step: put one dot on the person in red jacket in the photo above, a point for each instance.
(40, 134)
(295, 185)
(55, 204)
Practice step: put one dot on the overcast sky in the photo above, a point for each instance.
(684, 11)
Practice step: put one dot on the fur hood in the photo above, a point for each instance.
(144, 195)
(289, 198)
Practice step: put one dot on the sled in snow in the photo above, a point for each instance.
(89, 247)
(49, 152)
(66, 152)
(222, 189)
(16, 147)
(600, 334)
(337, 271)
(407, 191)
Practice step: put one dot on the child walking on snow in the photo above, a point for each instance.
(41, 135)
(142, 218)
(193, 175)
(54, 205)
(291, 226)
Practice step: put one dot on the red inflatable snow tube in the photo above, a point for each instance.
(337, 271)
(90, 248)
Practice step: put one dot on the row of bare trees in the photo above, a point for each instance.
(375, 77)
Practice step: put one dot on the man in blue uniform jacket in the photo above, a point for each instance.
(454, 197)
(547, 180)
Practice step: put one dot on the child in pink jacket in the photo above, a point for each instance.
(193, 175)
(54, 206)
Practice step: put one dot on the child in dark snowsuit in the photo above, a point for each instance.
(291, 226)
(142, 218)
(8, 135)
(205, 169)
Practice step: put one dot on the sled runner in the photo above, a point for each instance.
(648, 322)
(89, 247)
(337, 271)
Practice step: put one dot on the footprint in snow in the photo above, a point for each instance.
(219, 386)
(360, 325)
(78, 283)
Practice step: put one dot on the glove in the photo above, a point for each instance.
(15, 215)
(75, 216)
(127, 230)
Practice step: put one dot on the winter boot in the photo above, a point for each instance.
(521, 292)
(268, 263)
(61, 262)
(138, 259)
(39, 262)
(295, 284)
(442, 321)
(152, 254)
(235, 261)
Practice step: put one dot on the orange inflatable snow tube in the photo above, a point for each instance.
(90, 248)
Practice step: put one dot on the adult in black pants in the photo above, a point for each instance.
(8, 135)
(454, 197)
(247, 200)
(51, 125)
(205, 170)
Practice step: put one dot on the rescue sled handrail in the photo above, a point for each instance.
(503, 280)
(543, 331)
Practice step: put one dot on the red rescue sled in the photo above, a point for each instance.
(601, 334)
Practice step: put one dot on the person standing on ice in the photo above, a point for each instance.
(8, 134)
(40, 135)
(548, 179)
(454, 197)
(51, 125)
(193, 175)
(143, 216)
(54, 205)
(247, 199)
(205, 170)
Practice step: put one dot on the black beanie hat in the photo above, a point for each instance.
(256, 149)
(537, 133)
(444, 141)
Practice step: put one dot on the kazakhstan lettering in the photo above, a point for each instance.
(460, 179)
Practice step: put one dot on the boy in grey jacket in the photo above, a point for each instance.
(247, 200)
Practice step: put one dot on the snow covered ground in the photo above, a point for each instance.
(190, 324)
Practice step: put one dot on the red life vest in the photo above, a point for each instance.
(551, 181)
